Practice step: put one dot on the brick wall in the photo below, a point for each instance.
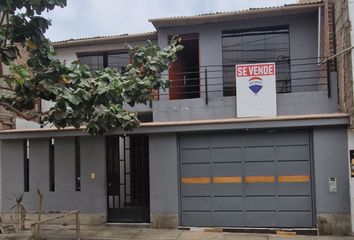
(342, 39)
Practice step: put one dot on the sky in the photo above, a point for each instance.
(89, 18)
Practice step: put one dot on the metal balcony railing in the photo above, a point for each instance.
(292, 75)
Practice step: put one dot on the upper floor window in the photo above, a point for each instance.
(256, 46)
(97, 61)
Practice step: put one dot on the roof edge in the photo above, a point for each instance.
(193, 122)
(218, 17)
(105, 40)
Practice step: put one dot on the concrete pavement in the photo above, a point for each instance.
(125, 233)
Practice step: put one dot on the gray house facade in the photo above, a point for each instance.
(193, 162)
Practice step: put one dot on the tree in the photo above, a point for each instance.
(79, 97)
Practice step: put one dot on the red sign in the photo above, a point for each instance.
(255, 70)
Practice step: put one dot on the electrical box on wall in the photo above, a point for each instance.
(351, 159)
(332, 183)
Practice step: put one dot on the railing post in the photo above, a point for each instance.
(206, 84)
(328, 78)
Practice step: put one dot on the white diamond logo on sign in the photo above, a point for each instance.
(256, 90)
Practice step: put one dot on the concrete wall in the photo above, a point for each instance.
(296, 103)
(163, 180)
(343, 40)
(303, 42)
(91, 200)
(331, 160)
(351, 179)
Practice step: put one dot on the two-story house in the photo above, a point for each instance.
(195, 161)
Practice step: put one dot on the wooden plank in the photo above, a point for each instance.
(285, 233)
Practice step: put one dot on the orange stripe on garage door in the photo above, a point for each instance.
(196, 180)
(259, 179)
(293, 179)
(227, 179)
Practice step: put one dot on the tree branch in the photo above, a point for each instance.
(16, 111)
(7, 88)
(2, 18)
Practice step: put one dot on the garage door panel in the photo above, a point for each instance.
(256, 139)
(295, 219)
(259, 153)
(227, 169)
(259, 169)
(194, 141)
(196, 203)
(261, 203)
(228, 219)
(292, 152)
(261, 219)
(226, 140)
(195, 190)
(294, 168)
(228, 203)
(300, 203)
(230, 189)
(257, 189)
(195, 155)
(195, 170)
(226, 154)
(294, 189)
(254, 179)
(197, 219)
(292, 138)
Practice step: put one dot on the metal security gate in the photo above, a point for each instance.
(128, 178)
(259, 179)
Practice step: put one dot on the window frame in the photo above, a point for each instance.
(253, 32)
(104, 54)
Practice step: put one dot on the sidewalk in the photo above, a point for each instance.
(124, 233)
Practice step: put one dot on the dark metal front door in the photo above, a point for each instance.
(128, 178)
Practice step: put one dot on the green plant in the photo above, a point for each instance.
(79, 97)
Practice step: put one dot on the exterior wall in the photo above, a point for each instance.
(329, 153)
(68, 54)
(351, 179)
(91, 200)
(303, 44)
(331, 160)
(343, 31)
(302, 100)
(303, 40)
(225, 107)
(163, 180)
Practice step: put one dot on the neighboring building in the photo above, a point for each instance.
(194, 161)
(343, 13)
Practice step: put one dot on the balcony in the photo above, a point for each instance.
(304, 86)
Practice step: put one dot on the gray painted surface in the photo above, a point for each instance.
(163, 173)
(233, 124)
(225, 107)
(11, 171)
(91, 198)
(246, 204)
(303, 44)
(331, 160)
(303, 40)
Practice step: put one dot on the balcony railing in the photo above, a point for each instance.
(292, 75)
